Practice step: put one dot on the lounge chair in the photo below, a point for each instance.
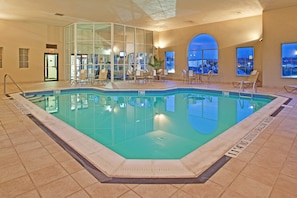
(82, 78)
(159, 72)
(185, 75)
(130, 76)
(192, 76)
(208, 75)
(102, 78)
(290, 88)
(150, 75)
(163, 75)
(139, 75)
(250, 82)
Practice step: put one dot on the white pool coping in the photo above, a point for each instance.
(114, 165)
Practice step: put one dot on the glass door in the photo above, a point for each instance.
(50, 67)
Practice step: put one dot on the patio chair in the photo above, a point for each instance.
(82, 78)
(150, 75)
(130, 76)
(163, 75)
(139, 75)
(208, 75)
(191, 76)
(290, 88)
(250, 82)
(102, 78)
(185, 75)
(159, 72)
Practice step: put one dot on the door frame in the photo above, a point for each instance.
(45, 72)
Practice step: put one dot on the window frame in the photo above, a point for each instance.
(197, 56)
(252, 67)
(24, 58)
(1, 57)
(170, 61)
(293, 58)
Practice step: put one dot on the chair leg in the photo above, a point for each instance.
(254, 87)
(241, 86)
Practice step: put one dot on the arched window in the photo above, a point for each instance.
(203, 54)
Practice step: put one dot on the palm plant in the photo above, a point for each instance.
(157, 63)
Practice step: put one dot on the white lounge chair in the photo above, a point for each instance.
(290, 88)
(250, 82)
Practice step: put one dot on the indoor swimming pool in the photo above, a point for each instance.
(149, 124)
(170, 133)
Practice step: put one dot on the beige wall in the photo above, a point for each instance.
(15, 35)
(229, 35)
(274, 26)
(279, 27)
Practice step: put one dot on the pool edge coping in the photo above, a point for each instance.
(114, 165)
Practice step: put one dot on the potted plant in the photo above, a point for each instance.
(156, 64)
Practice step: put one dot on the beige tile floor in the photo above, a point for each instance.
(33, 165)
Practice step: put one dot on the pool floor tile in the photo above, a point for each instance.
(161, 190)
(277, 193)
(130, 194)
(287, 184)
(16, 186)
(209, 189)
(84, 178)
(59, 188)
(240, 174)
(79, 194)
(30, 194)
(72, 166)
(250, 187)
(107, 190)
(224, 177)
(12, 172)
(48, 174)
(235, 165)
(35, 163)
(265, 175)
(290, 168)
(232, 194)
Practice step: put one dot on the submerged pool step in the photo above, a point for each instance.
(36, 98)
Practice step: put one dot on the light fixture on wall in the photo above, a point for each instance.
(261, 39)
(59, 14)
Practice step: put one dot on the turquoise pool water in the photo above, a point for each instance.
(149, 124)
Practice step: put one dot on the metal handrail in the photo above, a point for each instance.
(7, 75)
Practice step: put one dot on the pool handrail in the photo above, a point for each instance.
(7, 75)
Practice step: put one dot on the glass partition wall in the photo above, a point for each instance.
(95, 46)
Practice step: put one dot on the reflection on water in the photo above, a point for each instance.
(150, 126)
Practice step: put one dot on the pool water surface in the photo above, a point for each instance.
(187, 114)
(150, 124)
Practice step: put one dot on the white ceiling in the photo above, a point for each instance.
(145, 14)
